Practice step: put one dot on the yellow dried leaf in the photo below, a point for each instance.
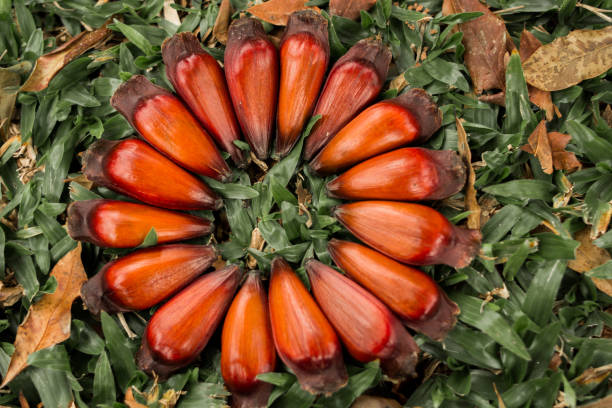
(48, 320)
(567, 61)
(589, 256)
(48, 65)
(277, 11)
(222, 22)
(471, 203)
(130, 401)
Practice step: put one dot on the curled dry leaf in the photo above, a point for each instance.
(8, 79)
(130, 401)
(589, 256)
(567, 61)
(222, 22)
(48, 65)
(602, 403)
(549, 148)
(528, 45)
(9, 295)
(485, 41)
(277, 11)
(350, 8)
(471, 203)
(48, 320)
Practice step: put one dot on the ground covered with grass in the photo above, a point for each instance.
(535, 327)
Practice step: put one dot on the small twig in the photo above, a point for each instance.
(125, 326)
(597, 11)
(508, 10)
(261, 164)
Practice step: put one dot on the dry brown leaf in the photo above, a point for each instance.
(485, 44)
(549, 148)
(567, 61)
(130, 401)
(602, 403)
(594, 375)
(589, 256)
(23, 402)
(471, 203)
(350, 8)
(528, 45)
(222, 22)
(277, 11)
(539, 146)
(9, 295)
(8, 97)
(498, 98)
(48, 65)
(48, 320)
(607, 115)
(366, 401)
(170, 13)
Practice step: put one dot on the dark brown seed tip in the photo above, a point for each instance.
(92, 293)
(77, 223)
(180, 46)
(243, 29)
(129, 95)
(310, 22)
(425, 110)
(370, 51)
(257, 398)
(442, 321)
(465, 247)
(95, 158)
(403, 361)
(147, 363)
(451, 172)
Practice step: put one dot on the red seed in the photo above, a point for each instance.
(199, 80)
(304, 339)
(304, 56)
(180, 329)
(366, 326)
(411, 233)
(409, 174)
(354, 81)
(144, 278)
(247, 347)
(134, 168)
(120, 224)
(251, 70)
(410, 117)
(169, 126)
(410, 293)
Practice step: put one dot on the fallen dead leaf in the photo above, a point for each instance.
(8, 97)
(485, 41)
(589, 256)
(399, 83)
(277, 11)
(366, 401)
(48, 320)
(607, 115)
(528, 45)
(567, 61)
(602, 403)
(170, 13)
(222, 22)
(257, 242)
(594, 375)
(539, 146)
(471, 203)
(48, 65)
(549, 148)
(130, 401)
(23, 402)
(9, 295)
(350, 8)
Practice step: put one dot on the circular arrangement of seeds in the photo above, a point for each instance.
(262, 90)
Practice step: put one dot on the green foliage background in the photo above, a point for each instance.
(507, 342)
